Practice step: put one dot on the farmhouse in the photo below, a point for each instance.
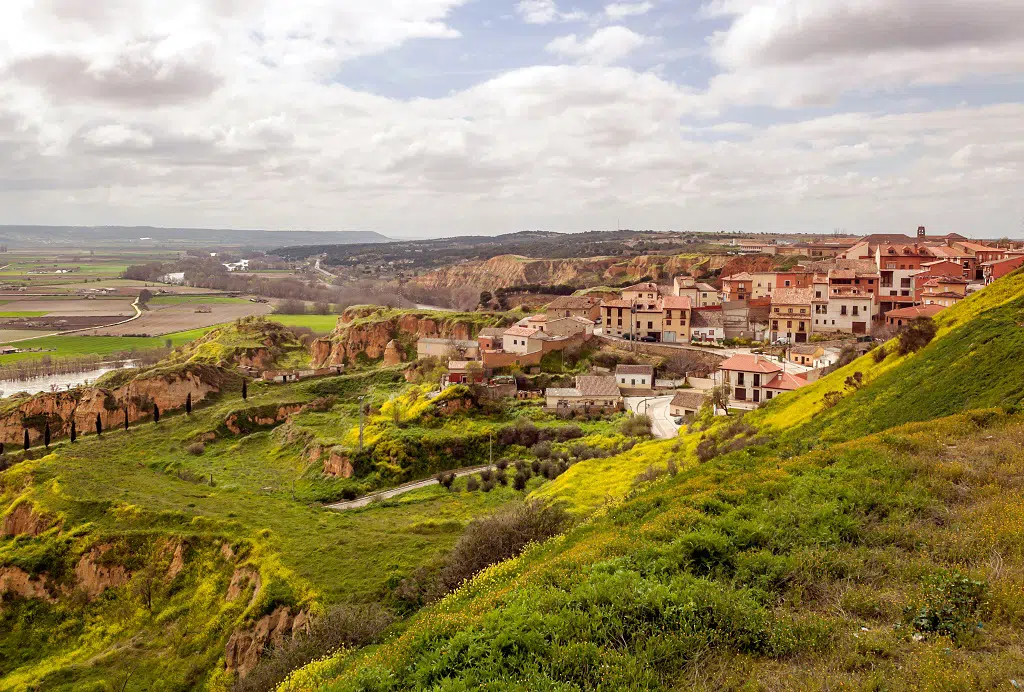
(590, 393)
(635, 376)
(686, 403)
(585, 307)
(754, 378)
(443, 348)
(898, 318)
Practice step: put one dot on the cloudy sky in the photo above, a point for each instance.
(439, 117)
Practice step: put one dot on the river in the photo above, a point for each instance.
(45, 383)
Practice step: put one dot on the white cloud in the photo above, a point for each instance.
(606, 46)
(795, 53)
(621, 10)
(546, 12)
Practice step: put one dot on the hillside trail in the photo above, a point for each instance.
(400, 490)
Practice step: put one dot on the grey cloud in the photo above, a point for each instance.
(136, 79)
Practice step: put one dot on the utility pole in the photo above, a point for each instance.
(490, 448)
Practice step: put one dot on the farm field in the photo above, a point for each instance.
(77, 345)
(162, 319)
(318, 323)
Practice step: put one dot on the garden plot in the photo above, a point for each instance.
(161, 319)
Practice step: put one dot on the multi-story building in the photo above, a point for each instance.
(616, 317)
(754, 378)
(676, 312)
(644, 291)
(701, 295)
(664, 318)
(790, 316)
(737, 287)
(945, 291)
(587, 307)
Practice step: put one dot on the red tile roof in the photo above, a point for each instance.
(792, 296)
(915, 312)
(676, 303)
(786, 382)
(521, 331)
(745, 363)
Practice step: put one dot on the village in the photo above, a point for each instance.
(772, 331)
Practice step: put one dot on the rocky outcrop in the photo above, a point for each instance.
(244, 422)
(95, 577)
(177, 562)
(24, 520)
(359, 334)
(749, 263)
(167, 390)
(246, 646)
(16, 581)
(392, 354)
(241, 580)
(338, 464)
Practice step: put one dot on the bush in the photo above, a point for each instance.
(541, 450)
(535, 466)
(916, 335)
(487, 486)
(831, 399)
(953, 605)
(636, 426)
(499, 537)
(486, 475)
(196, 449)
(520, 480)
(880, 354)
(472, 484)
(502, 464)
(346, 626)
(446, 478)
(501, 478)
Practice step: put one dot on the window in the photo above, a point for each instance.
(632, 381)
(757, 380)
(789, 324)
(817, 294)
(790, 311)
(842, 310)
(788, 282)
(855, 310)
(650, 325)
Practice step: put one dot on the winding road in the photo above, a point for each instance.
(400, 490)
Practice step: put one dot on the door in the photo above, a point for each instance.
(860, 327)
(801, 337)
(741, 394)
(670, 337)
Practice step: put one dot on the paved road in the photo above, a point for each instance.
(395, 492)
(723, 352)
(662, 425)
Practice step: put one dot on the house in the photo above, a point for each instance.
(755, 247)
(635, 376)
(707, 326)
(444, 348)
(569, 326)
(590, 393)
(522, 340)
(762, 284)
(465, 372)
(790, 317)
(538, 322)
(944, 290)
(701, 295)
(648, 291)
(806, 354)
(490, 338)
(616, 317)
(747, 377)
(675, 319)
(737, 287)
(898, 318)
(999, 268)
(754, 378)
(585, 307)
(686, 403)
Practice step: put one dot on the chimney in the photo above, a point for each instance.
(921, 232)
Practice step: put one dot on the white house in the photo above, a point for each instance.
(521, 340)
(635, 376)
(707, 326)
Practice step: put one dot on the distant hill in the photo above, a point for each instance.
(142, 237)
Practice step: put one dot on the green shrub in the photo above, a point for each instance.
(916, 335)
(953, 605)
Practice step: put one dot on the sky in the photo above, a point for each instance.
(426, 118)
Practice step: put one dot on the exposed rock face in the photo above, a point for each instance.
(372, 338)
(392, 355)
(168, 391)
(245, 647)
(240, 581)
(239, 423)
(177, 562)
(24, 520)
(752, 263)
(94, 578)
(14, 580)
(338, 464)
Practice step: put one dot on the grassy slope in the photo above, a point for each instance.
(160, 492)
(765, 563)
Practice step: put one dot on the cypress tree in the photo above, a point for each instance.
(46, 435)
(245, 389)
(156, 413)
(74, 431)
(1, 448)
(125, 417)
(188, 404)
(27, 443)
(99, 425)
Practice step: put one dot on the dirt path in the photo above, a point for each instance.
(400, 490)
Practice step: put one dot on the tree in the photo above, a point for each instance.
(156, 413)
(28, 443)
(145, 295)
(916, 335)
(188, 404)
(125, 417)
(719, 396)
(245, 390)
(46, 435)
(99, 425)
(486, 297)
(74, 431)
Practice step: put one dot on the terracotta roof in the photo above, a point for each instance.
(792, 296)
(742, 276)
(562, 391)
(521, 331)
(492, 331)
(573, 303)
(590, 385)
(915, 312)
(690, 399)
(617, 304)
(944, 294)
(626, 369)
(676, 303)
(707, 288)
(786, 382)
(805, 349)
(976, 247)
(750, 363)
(939, 280)
(992, 263)
(462, 343)
(537, 318)
(707, 319)
(462, 364)
(572, 318)
(648, 286)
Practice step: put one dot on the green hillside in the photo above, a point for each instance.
(876, 544)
